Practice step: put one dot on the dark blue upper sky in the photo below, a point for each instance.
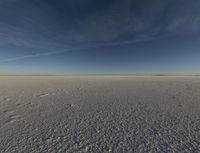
(99, 36)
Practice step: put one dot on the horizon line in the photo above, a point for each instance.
(97, 74)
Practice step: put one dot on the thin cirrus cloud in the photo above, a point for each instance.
(43, 24)
(30, 56)
(37, 55)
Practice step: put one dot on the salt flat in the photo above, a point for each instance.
(99, 114)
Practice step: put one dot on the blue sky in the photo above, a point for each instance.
(99, 37)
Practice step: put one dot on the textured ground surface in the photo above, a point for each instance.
(99, 114)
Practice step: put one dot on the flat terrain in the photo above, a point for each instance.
(99, 114)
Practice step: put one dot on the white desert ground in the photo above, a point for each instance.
(99, 114)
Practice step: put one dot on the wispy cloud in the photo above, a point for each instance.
(19, 58)
(142, 39)
(37, 55)
(12, 59)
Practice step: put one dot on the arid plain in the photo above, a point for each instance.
(99, 114)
